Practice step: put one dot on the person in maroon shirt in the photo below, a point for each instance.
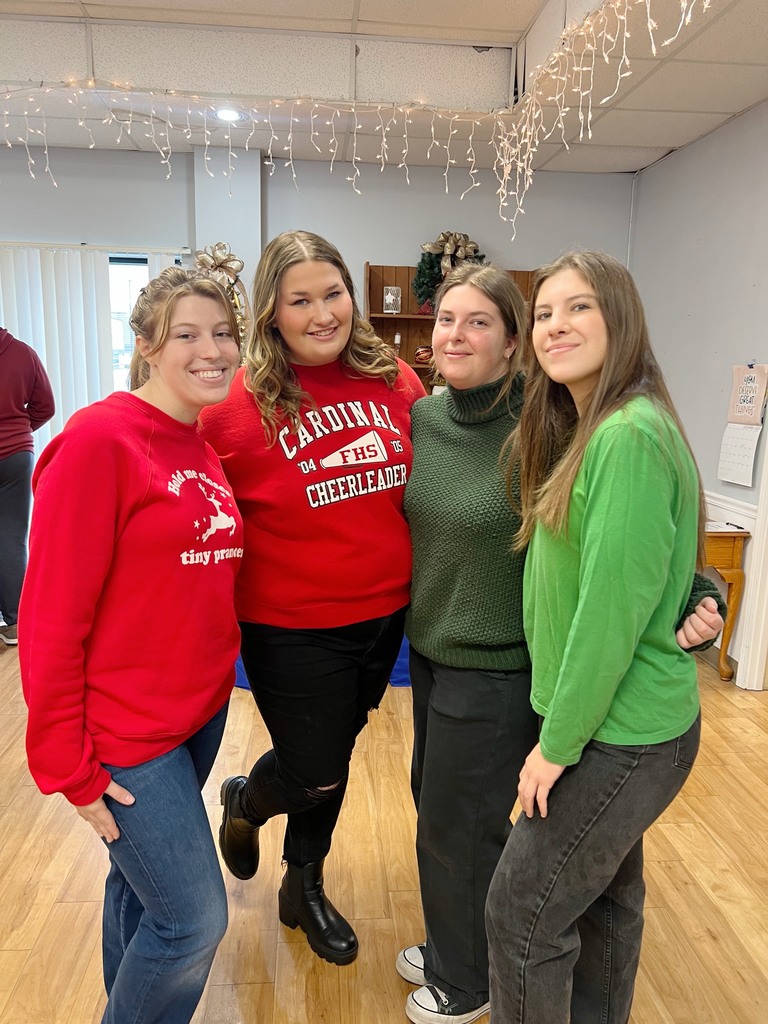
(26, 403)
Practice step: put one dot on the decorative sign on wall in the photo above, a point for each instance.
(745, 421)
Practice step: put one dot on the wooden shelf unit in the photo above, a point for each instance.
(414, 328)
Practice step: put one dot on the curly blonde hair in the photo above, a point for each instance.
(153, 311)
(268, 371)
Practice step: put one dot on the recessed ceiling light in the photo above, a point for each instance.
(227, 114)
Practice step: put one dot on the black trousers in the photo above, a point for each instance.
(314, 689)
(473, 730)
(15, 502)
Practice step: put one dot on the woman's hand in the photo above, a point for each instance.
(536, 779)
(99, 817)
(703, 624)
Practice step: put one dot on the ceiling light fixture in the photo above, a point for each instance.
(227, 114)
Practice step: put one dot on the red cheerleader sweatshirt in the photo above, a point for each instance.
(326, 541)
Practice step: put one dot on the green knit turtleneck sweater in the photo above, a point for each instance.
(466, 596)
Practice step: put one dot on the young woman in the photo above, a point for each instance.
(612, 512)
(470, 665)
(133, 515)
(315, 440)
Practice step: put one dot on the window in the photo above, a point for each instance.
(127, 276)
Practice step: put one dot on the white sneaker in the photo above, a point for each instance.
(9, 636)
(430, 1005)
(410, 964)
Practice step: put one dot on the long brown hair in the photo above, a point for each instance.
(498, 286)
(153, 311)
(267, 364)
(549, 443)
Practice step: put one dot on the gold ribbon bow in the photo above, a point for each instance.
(222, 264)
(455, 247)
(219, 257)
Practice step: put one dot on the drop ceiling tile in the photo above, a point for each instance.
(680, 85)
(41, 8)
(265, 9)
(444, 76)
(603, 79)
(739, 36)
(544, 154)
(668, 129)
(202, 61)
(501, 16)
(667, 16)
(42, 51)
(585, 157)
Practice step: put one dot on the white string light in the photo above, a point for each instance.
(472, 160)
(566, 78)
(404, 156)
(289, 162)
(334, 143)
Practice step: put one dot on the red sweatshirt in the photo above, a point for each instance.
(127, 631)
(326, 542)
(26, 399)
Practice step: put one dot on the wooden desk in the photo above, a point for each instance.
(725, 553)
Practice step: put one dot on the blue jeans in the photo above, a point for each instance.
(165, 906)
(565, 907)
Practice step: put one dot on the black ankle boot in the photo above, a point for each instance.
(238, 837)
(302, 902)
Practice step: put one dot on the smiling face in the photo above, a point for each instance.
(470, 343)
(570, 336)
(195, 365)
(313, 313)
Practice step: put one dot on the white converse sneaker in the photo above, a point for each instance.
(430, 1005)
(410, 964)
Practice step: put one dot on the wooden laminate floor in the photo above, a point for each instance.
(705, 958)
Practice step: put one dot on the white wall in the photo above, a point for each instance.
(389, 221)
(698, 255)
(123, 200)
(102, 198)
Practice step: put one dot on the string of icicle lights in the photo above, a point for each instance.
(563, 83)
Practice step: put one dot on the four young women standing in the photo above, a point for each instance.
(314, 439)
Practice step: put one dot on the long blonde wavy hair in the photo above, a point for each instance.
(152, 313)
(549, 442)
(269, 375)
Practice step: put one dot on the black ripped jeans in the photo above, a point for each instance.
(314, 689)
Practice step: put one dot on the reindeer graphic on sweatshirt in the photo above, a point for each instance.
(219, 521)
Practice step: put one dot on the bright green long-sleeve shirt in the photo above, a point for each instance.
(602, 600)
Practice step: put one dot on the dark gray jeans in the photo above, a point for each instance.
(15, 502)
(565, 907)
(472, 732)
